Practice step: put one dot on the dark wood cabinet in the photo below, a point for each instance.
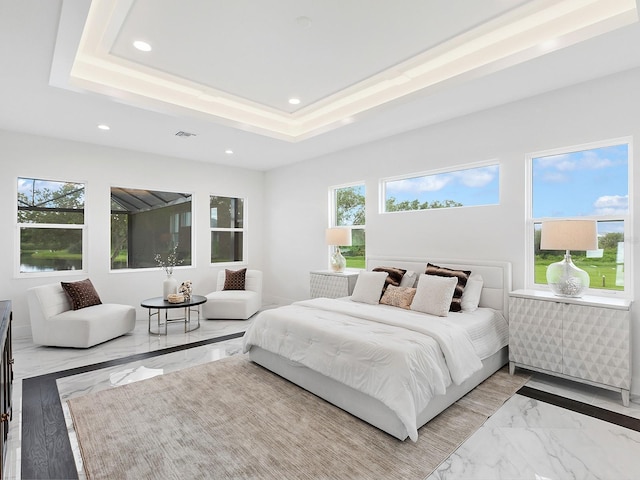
(6, 376)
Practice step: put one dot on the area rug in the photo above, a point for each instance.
(232, 419)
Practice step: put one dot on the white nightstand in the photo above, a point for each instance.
(330, 284)
(583, 339)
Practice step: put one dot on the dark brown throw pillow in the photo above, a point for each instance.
(461, 275)
(394, 276)
(234, 280)
(81, 294)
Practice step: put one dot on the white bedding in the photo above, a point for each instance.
(416, 356)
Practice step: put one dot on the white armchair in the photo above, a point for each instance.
(54, 323)
(235, 304)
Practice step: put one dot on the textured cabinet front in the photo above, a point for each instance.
(332, 285)
(535, 333)
(596, 345)
(586, 340)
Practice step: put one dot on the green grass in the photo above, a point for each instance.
(356, 262)
(593, 267)
(55, 255)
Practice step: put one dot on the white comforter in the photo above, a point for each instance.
(414, 356)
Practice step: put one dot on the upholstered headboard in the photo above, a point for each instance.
(496, 275)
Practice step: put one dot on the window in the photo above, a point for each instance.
(227, 229)
(348, 210)
(149, 222)
(463, 187)
(590, 181)
(51, 225)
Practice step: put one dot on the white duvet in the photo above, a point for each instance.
(414, 356)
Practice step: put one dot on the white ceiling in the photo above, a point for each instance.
(224, 70)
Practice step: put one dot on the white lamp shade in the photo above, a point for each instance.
(569, 235)
(338, 236)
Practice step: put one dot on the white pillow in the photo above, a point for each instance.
(408, 279)
(368, 287)
(434, 294)
(471, 295)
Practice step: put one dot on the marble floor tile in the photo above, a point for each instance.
(113, 377)
(32, 360)
(588, 394)
(525, 439)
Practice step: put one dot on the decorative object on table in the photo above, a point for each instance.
(338, 237)
(185, 289)
(175, 298)
(564, 278)
(170, 284)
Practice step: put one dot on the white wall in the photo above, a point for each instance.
(101, 168)
(288, 207)
(297, 195)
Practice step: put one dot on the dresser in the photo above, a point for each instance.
(583, 339)
(6, 376)
(330, 284)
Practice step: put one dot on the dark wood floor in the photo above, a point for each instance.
(46, 450)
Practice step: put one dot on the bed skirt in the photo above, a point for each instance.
(365, 407)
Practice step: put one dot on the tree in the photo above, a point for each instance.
(41, 202)
(391, 205)
(610, 240)
(62, 205)
(350, 206)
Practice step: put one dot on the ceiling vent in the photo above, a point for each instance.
(185, 134)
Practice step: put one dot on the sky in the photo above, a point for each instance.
(589, 182)
(473, 186)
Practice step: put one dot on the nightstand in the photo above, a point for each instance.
(330, 284)
(582, 339)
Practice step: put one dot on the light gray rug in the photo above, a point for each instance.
(232, 419)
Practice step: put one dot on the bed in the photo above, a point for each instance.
(377, 362)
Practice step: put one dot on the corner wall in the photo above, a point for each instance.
(100, 168)
(297, 195)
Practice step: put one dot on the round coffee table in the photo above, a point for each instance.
(156, 304)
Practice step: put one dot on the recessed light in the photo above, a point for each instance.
(294, 101)
(228, 151)
(102, 126)
(142, 46)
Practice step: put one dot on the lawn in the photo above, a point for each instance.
(601, 275)
(356, 262)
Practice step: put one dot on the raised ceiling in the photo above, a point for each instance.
(224, 70)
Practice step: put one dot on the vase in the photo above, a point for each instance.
(338, 262)
(169, 286)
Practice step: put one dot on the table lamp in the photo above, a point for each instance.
(338, 237)
(564, 278)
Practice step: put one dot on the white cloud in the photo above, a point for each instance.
(611, 205)
(587, 160)
(431, 183)
(554, 177)
(477, 177)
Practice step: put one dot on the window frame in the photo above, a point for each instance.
(627, 219)
(155, 267)
(58, 226)
(244, 230)
(332, 203)
(382, 206)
